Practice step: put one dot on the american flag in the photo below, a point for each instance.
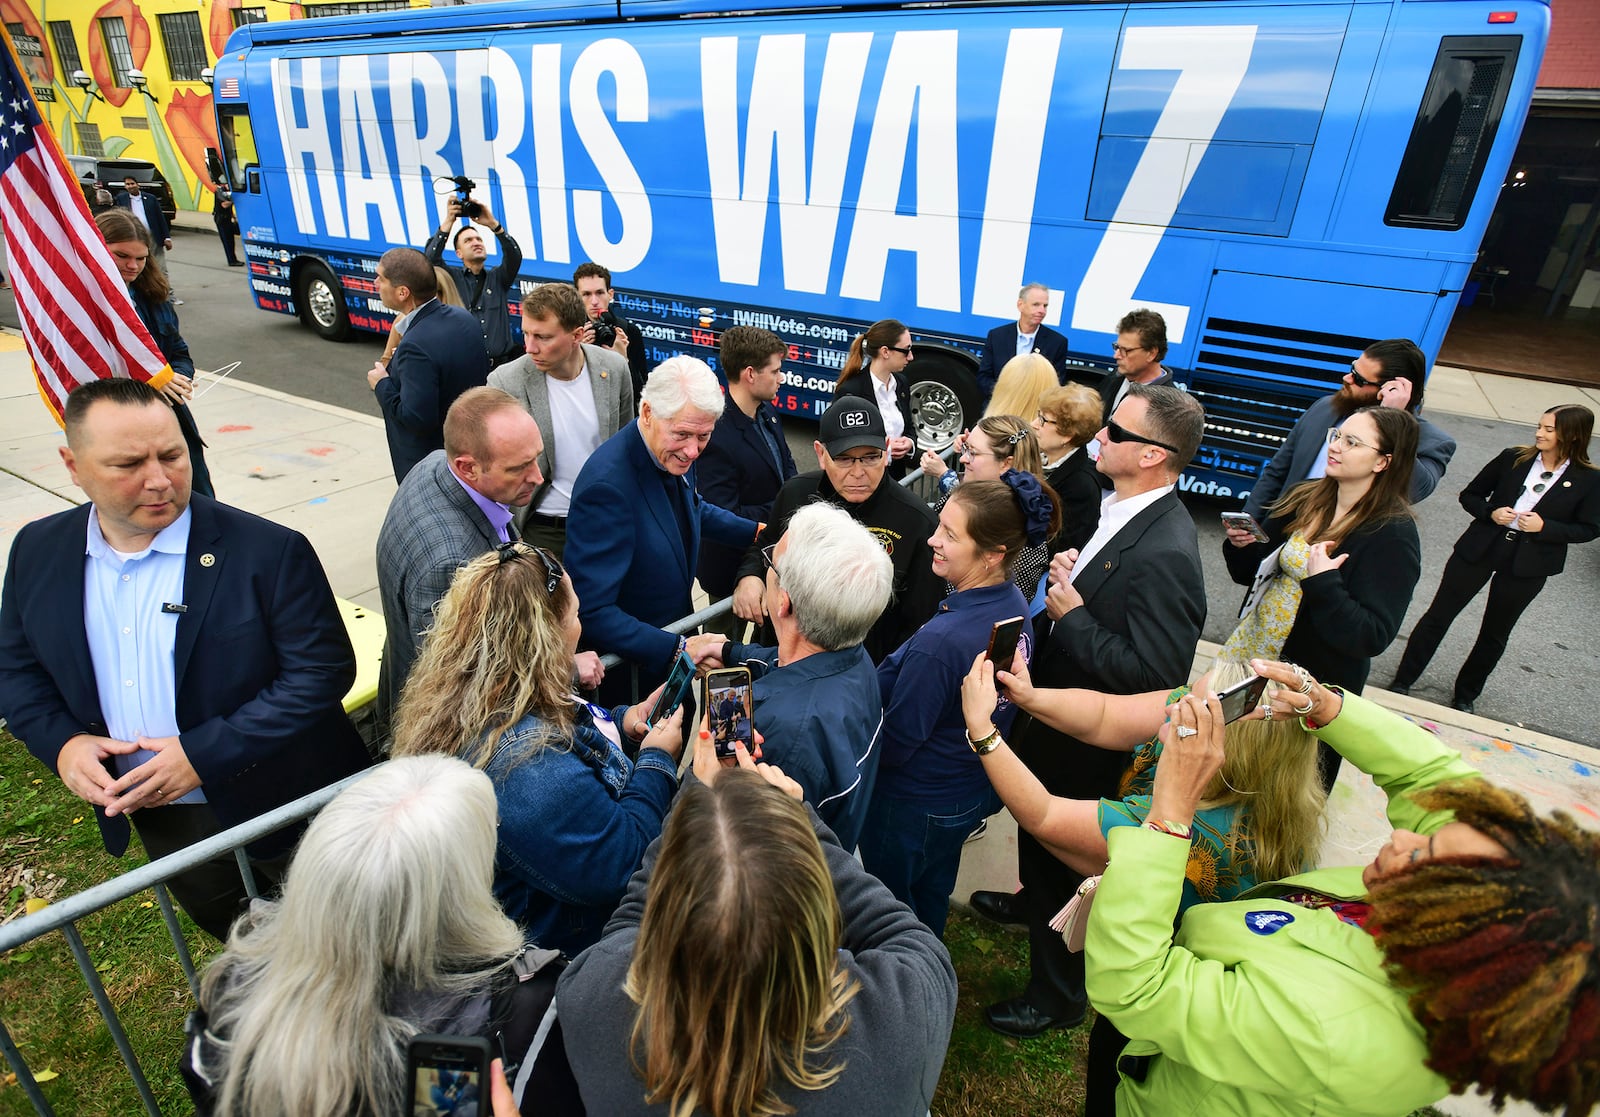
(77, 318)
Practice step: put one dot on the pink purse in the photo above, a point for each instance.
(1073, 920)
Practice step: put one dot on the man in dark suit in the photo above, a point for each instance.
(1028, 334)
(1140, 348)
(456, 504)
(631, 554)
(581, 394)
(1389, 373)
(179, 663)
(441, 355)
(1127, 613)
(747, 460)
(147, 208)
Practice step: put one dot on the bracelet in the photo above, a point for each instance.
(986, 744)
(1167, 826)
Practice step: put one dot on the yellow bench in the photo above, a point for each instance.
(366, 634)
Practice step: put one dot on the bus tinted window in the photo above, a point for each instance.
(1453, 132)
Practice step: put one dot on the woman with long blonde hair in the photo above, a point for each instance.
(1021, 385)
(756, 969)
(493, 686)
(1260, 817)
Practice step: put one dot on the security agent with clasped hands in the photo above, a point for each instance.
(485, 291)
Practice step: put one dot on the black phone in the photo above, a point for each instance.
(676, 689)
(730, 708)
(1003, 639)
(1245, 522)
(1242, 697)
(447, 1074)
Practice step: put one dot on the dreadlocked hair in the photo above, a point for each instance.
(1503, 955)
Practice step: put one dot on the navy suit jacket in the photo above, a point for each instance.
(263, 662)
(1001, 346)
(440, 356)
(153, 215)
(737, 472)
(627, 557)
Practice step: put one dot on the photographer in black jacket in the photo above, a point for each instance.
(607, 329)
(485, 292)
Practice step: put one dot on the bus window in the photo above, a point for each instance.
(1454, 131)
(238, 144)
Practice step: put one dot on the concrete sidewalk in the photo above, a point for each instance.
(325, 471)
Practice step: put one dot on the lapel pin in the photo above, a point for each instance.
(602, 374)
(1566, 484)
(208, 559)
(1108, 566)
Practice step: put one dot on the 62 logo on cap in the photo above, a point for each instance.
(854, 419)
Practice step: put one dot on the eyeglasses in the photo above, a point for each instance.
(516, 549)
(1124, 350)
(1362, 381)
(864, 461)
(1338, 437)
(1544, 480)
(1119, 433)
(1046, 420)
(770, 560)
(906, 352)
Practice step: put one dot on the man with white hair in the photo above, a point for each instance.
(816, 697)
(634, 533)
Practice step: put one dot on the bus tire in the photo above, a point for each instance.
(319, 297)
(944, 395)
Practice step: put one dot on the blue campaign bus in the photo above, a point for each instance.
(1284, 181)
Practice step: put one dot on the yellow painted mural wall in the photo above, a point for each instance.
(173, 124)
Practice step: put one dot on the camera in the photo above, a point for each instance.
(464, 188)
(605, 329)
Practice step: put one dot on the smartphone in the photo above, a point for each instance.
(676, 689)
(1245, 522)
(729, 707)
(1239, 699)
(447, 1074)
(1003, 643)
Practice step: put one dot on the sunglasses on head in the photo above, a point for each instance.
(514, 550)
(1119, 433)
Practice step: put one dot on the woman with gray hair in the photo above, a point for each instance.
(386, 929)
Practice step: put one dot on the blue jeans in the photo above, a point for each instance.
(914, 847)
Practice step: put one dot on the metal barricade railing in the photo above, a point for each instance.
(64, 915)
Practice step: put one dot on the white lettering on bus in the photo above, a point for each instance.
(484, 77)
(1211, 62)
(367, 179)
(549, 154)
(419, 139)
(632, 95)
(920, 75)
(308, 140)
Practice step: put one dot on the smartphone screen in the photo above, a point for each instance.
(1239, 699)
(729, 706)
(676, 690)
(447, 1074)
(1245, 522)
(1003, 643)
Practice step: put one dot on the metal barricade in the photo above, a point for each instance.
(64, 916)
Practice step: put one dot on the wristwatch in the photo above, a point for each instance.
(986, 744)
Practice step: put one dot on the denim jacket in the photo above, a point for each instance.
(575, 820)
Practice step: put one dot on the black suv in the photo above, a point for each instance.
(101, 181)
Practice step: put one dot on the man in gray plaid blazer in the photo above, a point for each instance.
(453, 506)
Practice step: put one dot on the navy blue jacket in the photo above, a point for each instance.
(822, 717)
(626, 555)
(925, 752)
(1001, 345)
(440, 356)
(263, 662)
(154, 216)
(737, 472)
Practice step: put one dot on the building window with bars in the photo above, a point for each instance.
(115, 33)
(89, 139)
(356, 7)
(66, 47)
(186, 46)
(242, 16)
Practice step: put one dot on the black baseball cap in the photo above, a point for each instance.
(849, 423)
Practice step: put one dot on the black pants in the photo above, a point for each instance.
(226, 236)
(1509, 596)
(212, 892)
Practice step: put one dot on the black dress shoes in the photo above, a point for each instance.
(1462, 704)
(1002, 907)
(1020, 1020)
(1397, 687)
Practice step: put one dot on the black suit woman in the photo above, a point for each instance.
(877, 364)
(1526, 506)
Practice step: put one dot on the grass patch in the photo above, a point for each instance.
(49, 849)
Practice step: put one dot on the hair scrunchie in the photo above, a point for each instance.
(1035, 505)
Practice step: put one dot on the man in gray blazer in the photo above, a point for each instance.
(580, 395)
(452, 506)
